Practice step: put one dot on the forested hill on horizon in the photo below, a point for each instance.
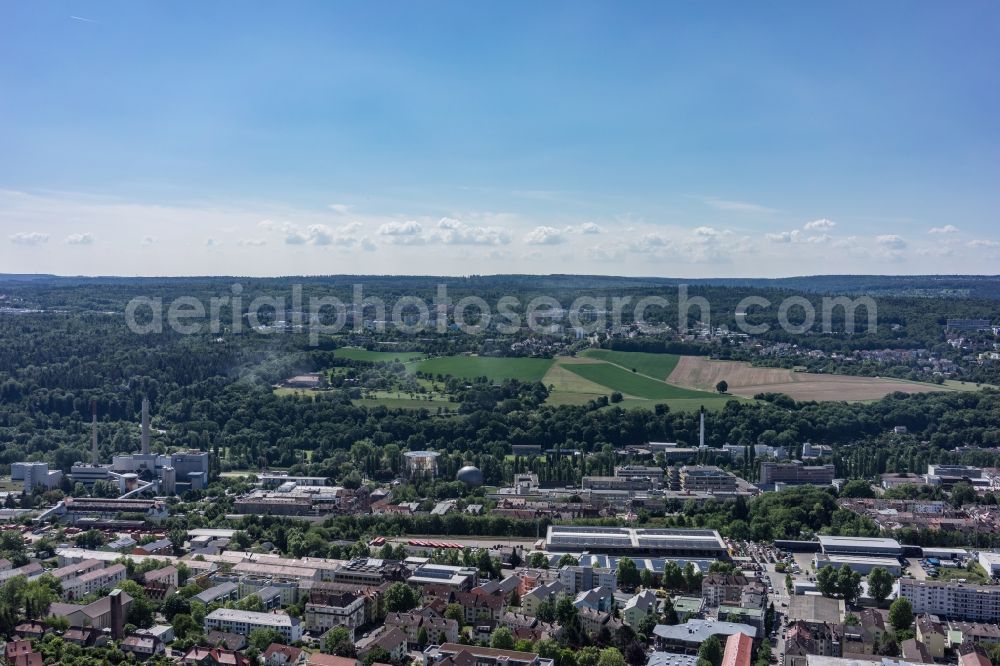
(955, 286)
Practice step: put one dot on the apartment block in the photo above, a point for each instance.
(244, 622)
(343, 610)
(952, 600)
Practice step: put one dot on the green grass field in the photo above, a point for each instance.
(356, 354)
(657, 366)
(495, 369)
(619, 379)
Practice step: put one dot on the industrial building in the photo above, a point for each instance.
(875, 547)
(144, 471)
(652, 473)
(990, 562)
(863, 564)
(795, 474)
(275, 479)
(706, 478)
(34, 475)
(638, 483)
(690, 543)
(80, 508)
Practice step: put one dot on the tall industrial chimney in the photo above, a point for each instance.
(93, 433)
(701, 431)
(145, 427)
(117, 615)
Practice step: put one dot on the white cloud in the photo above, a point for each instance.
(984, 243)
(654, 243)
(946, 229)
(822, 223)
(29, 238)
(737, 206)
(796, 235)
(80, 239)
(343, 209)
(314, 234)
(148, 240)
(408, 228)
(544, 236)
(455, 232)
(320, 234)
(409, 232)
(891, 241)
(251, 242)
(590, 228)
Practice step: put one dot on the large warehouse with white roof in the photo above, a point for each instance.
(842, 545)
(626, 540)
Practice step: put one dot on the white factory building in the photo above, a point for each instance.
(689, 543)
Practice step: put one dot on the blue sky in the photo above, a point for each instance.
(680, 139)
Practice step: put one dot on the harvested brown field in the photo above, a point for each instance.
(698, 372)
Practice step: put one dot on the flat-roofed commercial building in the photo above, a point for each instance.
(686, 543)
(277, 506)
(796, 474)
(274, 480)
(277, 571)
(687, 638)
(877, 547)
(482, 656)
(863, 564)
(618, 483)
(707, 478)
(366, 571)
(952, 600)
(460, 578)
(813, 609)
(651, 472)
(244, 622)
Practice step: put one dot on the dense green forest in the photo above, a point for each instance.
(214, 392)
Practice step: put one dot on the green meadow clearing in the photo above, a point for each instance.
(657, 366)
(493, 368)
(638, 376)
(617, 378)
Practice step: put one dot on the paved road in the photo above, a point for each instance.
(781, 601)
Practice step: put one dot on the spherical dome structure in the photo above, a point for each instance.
(470, 476)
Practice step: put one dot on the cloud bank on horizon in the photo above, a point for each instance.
(71, 234)
(458, 138)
